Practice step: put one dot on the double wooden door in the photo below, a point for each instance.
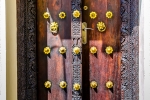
(78, 49)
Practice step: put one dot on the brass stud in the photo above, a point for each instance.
(47, 84)
(85, 7)
(46, 15)
(93, 15)
(63, 84)
(62, 15)
(93, 84)
(76, 50)
(47, 50)
(93, 50)
(101, 26)
(109, 14)
(109, 50)
(109, 84)
(62, 50)
(76, 86)
(76, 14)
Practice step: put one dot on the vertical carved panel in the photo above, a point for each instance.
(26, 57)
(76, 38)
(129, 49)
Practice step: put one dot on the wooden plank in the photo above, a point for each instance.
(41, 43)
(55, 67)
(59, 66)
(102, 67)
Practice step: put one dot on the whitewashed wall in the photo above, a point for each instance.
(2, 51)
(11, 50)
(144, 47)
(141, 50)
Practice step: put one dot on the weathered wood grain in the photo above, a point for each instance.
(55, 67)
(41, 43)
(102, 67)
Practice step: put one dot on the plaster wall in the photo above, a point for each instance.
(11, 50)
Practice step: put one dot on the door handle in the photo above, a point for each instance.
(84, 32)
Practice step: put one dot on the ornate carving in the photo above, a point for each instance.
(26, 51)
(76, 37)
(26, 56)
(129, 49)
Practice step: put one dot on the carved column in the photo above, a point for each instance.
(77, 59)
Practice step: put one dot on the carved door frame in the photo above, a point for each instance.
(26, 49)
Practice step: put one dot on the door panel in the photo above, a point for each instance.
(102, 67)
(59, 66)
(41, 43)
(54, 67)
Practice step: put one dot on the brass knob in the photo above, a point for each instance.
(63, 84)
(62, 50)
(93, 15)
(62, 15)
(76, 86)
(109, 84)
(101, 26)
(109, 50)
(76, 14)
(85, 7)
(109, 14)
(47, 50)
(93, 84)
(46, 15)
(93, 50)
(54, 27)
(47, 84)
(76, 50)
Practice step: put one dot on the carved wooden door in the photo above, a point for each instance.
(69, 68)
